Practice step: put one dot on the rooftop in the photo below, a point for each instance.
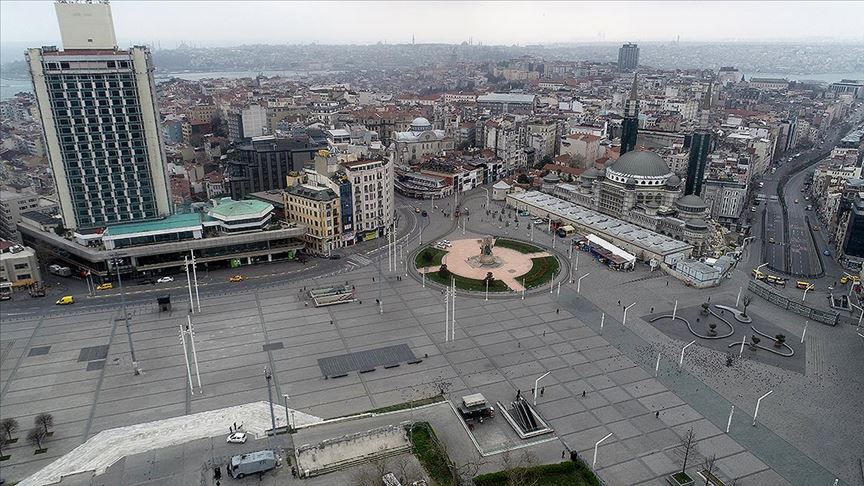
(312, 192)
(229, 208)
(506, 98)
(175, 221)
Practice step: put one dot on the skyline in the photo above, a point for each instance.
(167, 24)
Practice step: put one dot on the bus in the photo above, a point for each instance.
(758, 275)
(804, 285)
(773, 279)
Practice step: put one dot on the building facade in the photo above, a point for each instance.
(263, 163)
(100, 122)
(628, 57)
(316, 208)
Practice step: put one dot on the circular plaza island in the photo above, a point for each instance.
(478, 264)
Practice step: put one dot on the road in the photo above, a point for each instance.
(215, 283)
(788, 246)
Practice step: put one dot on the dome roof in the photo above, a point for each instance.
(551, 177)
(641, 163)
(420, 124)
(673, 180)
(591, 173)
(692, 202)
(697, 224)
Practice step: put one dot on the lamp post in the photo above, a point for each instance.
(624, 321)
(804, 332)
(737, 299)
(602, 321)
(729, 422)
(657, 365)
(805, 293)
(487, 289)
(757, 406)
(189, 284)
(675, 310)
(537, 383)
(290, 422)
(116, 262)
(195, 278)
(596, 445)
(681, 361)
(579, 282)
(269, 377)
(487, 197)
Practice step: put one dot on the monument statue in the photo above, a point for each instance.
(486, 257)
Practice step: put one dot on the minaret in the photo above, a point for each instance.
(630, 125)
(700, 144)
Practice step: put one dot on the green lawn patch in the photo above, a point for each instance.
(682, 477)
(429, 453)
(562, 474)
(517, 245)
(542, 270)
(465, 283)
(429, 257)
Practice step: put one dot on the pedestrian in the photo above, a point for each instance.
(652, 310)
(518, 344)
(544, 333)
(562, 453)
(619, 303)
(518, 393)
(583, 393)
(657, 414)
(294, 471)
(542, 390)
(235, 425)
(557, 311)
(667, 283)
(709, 299)
(331, 322)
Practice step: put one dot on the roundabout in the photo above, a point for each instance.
(505, 265)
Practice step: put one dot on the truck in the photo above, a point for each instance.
(474, 407)
(251, 463)
(60, 271)
(6, 291)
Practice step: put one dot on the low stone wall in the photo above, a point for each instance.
(762, 290)
(348, 450)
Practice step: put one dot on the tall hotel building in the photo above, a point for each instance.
(100, 121)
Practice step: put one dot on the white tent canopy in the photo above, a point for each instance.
(596, 240)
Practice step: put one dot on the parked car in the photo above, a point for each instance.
(237, 438)
(165, 279)
(826, 252)
(417, 210)
(105, 286)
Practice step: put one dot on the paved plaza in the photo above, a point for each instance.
(80, 371)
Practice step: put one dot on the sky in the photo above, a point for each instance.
(225, 23)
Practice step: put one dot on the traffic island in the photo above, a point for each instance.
(487, 264)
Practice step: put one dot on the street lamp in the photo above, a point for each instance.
(537, 383)
(624, 321)
(757, 406)
(116, 262)
(269, 377)
(290, 421)
(596, 445)
(681, 361)
(579, 282)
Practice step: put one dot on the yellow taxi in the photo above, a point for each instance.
(844, 279)
(237, 278)
(66, 300)
(105, 286)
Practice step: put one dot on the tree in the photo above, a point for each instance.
(59, 230)
(547, 159)
(427, 257)
(687, 443)
(443, 271)
(780, 340)
(523, 179)
(44, 420)
(712, 331)
(36, 436)
(518, 470)
(8, 426)
(754, 340)
(709, 467)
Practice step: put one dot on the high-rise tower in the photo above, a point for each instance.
(98, 110)
(700, 144)
(628, 57)
(630, 124)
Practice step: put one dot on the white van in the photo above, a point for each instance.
(251, 463)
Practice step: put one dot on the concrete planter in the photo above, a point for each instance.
(679, 479)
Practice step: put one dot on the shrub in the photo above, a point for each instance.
(443, 271)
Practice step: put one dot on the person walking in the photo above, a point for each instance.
(583, 393)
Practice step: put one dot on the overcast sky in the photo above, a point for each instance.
(226, 23)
